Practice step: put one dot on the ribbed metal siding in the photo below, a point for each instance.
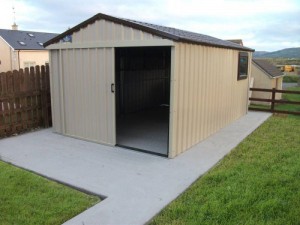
(84, 104)
(206, 94)
(55, 91)
(103, 30)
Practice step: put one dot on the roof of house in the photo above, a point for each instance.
(26, 40)
(267, 67)
(161, 31)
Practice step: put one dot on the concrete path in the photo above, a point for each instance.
(137, 185)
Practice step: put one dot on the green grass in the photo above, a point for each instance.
(290, 79)
(257, 183)
(290, 97)
(286, 107)
(26, 198)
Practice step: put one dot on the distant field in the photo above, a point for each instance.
(284, 61)
(296, 72)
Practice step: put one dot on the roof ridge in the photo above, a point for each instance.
(28, 31)
(159, 30)
(181, 30)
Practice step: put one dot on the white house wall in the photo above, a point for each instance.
(5, 56)
(206, 94)
(38, 57)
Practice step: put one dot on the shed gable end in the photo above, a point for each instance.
(104, 30)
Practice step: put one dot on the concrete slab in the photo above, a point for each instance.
(137, 185)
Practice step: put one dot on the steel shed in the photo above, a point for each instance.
(153, 88)
(265, 75)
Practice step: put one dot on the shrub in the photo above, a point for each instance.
(290, 79)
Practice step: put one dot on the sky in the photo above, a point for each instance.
(265, 25)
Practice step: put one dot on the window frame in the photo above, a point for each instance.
(239, 75)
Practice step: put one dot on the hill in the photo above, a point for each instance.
(284, 53)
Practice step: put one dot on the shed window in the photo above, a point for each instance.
(243, 66)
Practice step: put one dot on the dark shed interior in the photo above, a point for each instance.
(143, 98)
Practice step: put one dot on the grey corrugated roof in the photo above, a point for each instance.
(161, 31)
(191, 36)
(14, 37)
(267, 67)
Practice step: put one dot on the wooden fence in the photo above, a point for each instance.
(24, 100)
(273, 101)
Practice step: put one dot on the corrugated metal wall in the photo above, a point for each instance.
(206, 94)
(81, 78)
(56, 96)
(103, 30)
(84, 104)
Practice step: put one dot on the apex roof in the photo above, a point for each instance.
(26, 40)
(267, 67)
(161, 31)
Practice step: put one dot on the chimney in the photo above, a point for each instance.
(14, 26)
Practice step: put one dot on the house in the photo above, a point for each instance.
(143, 86)
(265, 75)
(20, 49)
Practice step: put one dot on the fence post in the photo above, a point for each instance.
(273, 99)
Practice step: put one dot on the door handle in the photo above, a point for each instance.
(112, 88)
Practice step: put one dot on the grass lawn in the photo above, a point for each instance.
(257, 183)
(26, 198)
(290, 97)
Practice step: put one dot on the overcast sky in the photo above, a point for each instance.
(262, 24)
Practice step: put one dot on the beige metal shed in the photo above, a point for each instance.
(142, 86)
(265, 75)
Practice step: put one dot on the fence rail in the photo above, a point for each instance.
(273, 101)
(24, 100)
